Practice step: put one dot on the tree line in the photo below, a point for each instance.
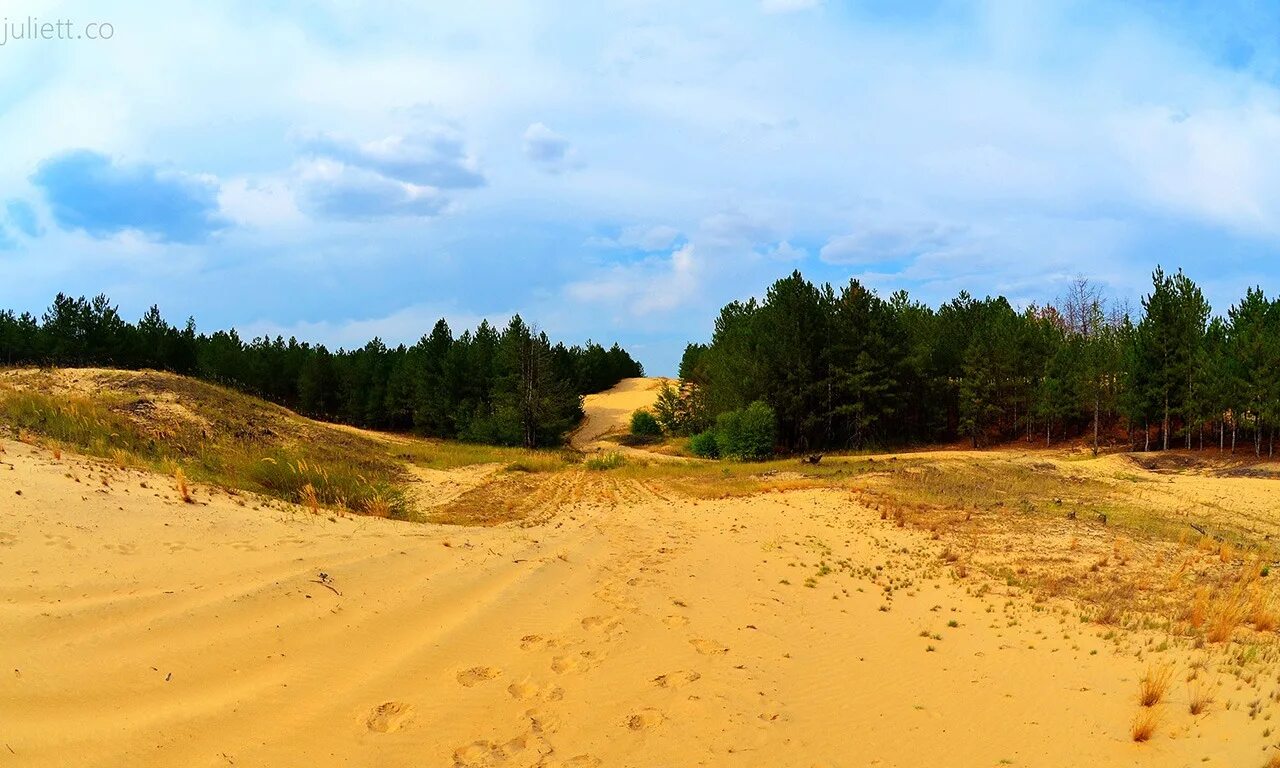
(848, 369)
(508, 386)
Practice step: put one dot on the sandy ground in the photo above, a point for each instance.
(786, 629)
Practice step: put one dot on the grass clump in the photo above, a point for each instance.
(1144, 724)
(314, 484)
(1154, 684)
(604, 462)
(1198, 697)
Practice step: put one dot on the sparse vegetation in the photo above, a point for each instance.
(605, 461)
(1199, 697)
(197, 431)
(1144, 724)
(1153, 684)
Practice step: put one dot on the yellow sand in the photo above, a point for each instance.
(647, 631)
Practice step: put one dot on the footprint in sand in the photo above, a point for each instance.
(477, 675)
(580, 663)
(601, 624)
(528, 689)
(708, 647)
(676, 621)
(536, 643)
(645, 720)
(577, 761)
(677, 679)
(388, 717)
(483, 754)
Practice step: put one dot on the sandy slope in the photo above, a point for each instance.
(641, 631)
(610, 412)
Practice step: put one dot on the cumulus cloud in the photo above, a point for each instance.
(23, 218)
(395, 176)
(102, 197)
(432, 157)
(655, 285)
(785, 251)
(549, 150)
(331, 189)
(877, 244)
(640, 237)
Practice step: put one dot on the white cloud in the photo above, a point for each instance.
(549, 150)
(785, 251)
(404, 326)
(658, 237)
(653, 286)
(881, 243)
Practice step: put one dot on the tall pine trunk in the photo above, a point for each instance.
(1164, 435)
(1097, 406)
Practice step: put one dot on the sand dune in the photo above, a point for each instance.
(633, 628)
(610, 412)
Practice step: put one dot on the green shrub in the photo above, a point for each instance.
(643, 424)
(704, 444)
(747, 434)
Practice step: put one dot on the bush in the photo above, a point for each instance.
(643, 424)
(747, 434)
(704, 444)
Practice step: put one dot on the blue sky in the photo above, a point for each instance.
(621, 169)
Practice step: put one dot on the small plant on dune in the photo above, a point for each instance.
(1228, 611)
(1198, 697)
(1199, 608)
(378, 507)
(1154, 683)
(184, 489)
(1262, 613)
(119, 458)
(308, 496)
(1144, 724)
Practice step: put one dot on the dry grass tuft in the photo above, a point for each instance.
(1199, 697)
(184, 489)
(1154, 684)
(378, 507)
(1199, 609)
(309, 498)
(1144, 724)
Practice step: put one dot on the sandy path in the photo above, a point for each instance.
(643, 632)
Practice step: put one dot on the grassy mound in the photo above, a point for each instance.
(213, 434)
